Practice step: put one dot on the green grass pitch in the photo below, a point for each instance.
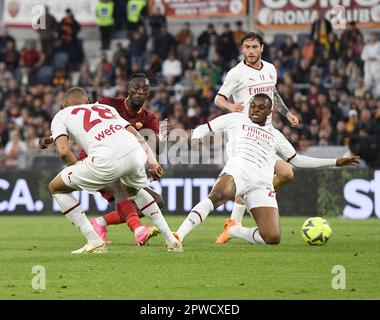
(236, 270)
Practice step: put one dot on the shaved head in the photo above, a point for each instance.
(75, 96)
(75, 92)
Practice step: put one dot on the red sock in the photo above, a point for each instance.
(112, 218)
(128, 214)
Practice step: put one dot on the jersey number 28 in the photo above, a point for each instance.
(102, 112)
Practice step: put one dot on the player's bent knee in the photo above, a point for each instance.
(286, 175)
(271, 238)
(217, 198)
(274, 240)
(52, 187)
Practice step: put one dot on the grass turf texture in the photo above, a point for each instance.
(236, 270)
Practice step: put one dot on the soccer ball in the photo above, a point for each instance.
(316, 231)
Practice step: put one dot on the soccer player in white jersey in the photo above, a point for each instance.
(115, 151)
(252, 76)
(249, 172)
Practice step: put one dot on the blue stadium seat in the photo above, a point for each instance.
(45, 75)
(301, 38)
(279, 39)
(60, 61)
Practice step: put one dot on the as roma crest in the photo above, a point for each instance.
(13, 8)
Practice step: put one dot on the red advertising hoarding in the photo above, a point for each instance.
(186, 9)
(299, 14)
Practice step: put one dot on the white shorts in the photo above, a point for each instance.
(93, 174)
(255, 190)
(261, 197)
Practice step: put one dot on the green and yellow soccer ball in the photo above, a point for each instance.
(316, 231)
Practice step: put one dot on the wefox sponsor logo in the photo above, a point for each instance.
(107, 132)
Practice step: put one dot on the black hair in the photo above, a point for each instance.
(252, 36)
(264, 97)
(138, 75)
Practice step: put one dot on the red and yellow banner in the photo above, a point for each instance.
(186, 9)
(299, 14)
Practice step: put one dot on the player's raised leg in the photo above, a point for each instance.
(223, 190)
(72, 210)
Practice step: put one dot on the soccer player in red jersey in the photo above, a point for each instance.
(132, 110)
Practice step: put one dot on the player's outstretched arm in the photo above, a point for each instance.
(154, 167)
(310, 162)
(287, 152)
(200, 132)
(219, 124)
(221, 102)
(63, 150)
(279, 104)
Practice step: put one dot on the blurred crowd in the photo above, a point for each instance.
(330, 82)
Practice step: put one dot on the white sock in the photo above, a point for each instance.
(148, 206)
(252, 235)
(195, 217)
(238, 212)
(101, 221)
(72, 210)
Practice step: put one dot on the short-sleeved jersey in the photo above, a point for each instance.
(243, 82)
(143, 119)
(254, 145)
(98, 129)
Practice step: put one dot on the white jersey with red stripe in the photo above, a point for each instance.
(96, 128)
(254, 146)
(243, 82)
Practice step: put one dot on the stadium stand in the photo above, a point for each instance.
(324, 84)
